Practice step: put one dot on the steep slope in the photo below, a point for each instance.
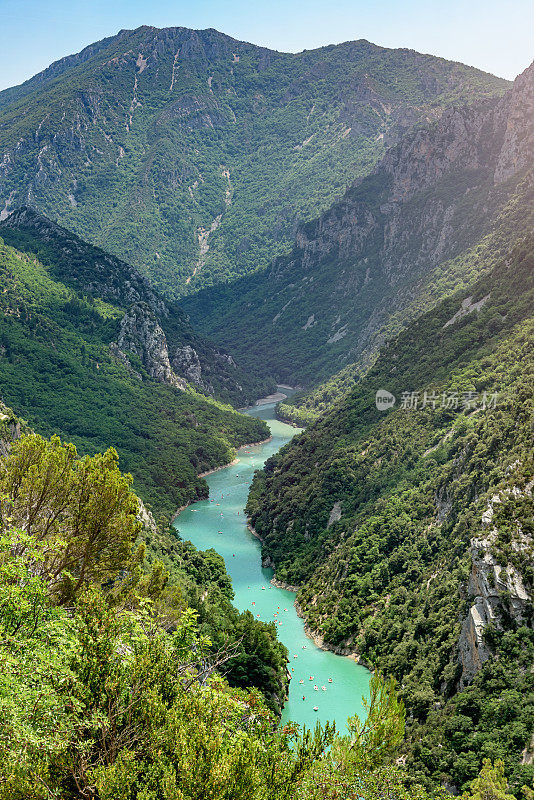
(11, 428)
(83, 354)
(441, 207)
(409, 526)
(187, 575)
(193, 156)
(158, 333)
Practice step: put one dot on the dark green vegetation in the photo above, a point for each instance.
(440, 209)
(193, 156)
(161, 331)
(109, 686)
(253, 656)
(125, 672)
(410, 531)
(59, 368)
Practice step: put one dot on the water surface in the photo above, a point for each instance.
(220, 523)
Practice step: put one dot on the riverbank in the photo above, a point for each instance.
(235, 461)
(271, 398)
(219, 523)
(317, 638)
(217, 469)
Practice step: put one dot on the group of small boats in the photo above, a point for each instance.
(295, 655)
(316, 688)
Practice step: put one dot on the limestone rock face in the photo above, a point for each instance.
(146, 518)
(10, 429)
(466, 153)
(142, 335)
(335, 514)
(518, 143)
(499, 594)
(187, 363)
(158, 332)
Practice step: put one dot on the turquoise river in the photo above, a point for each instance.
(220, 523)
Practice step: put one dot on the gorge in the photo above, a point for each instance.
(189, 222)
(220, 523)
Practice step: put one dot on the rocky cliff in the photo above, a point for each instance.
(155, 331)
(501, 596)
(142, 335)
(136, 142)
(398, 240)
(11, 429)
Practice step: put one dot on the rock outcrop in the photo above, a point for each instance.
(158, 332)
(142, 335)
(500, 596)
(11, 429)
(187, 363)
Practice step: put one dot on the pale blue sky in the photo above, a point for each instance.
(497, 36)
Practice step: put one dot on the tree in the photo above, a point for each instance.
(82, 511)
(361, 765)
(490, 784)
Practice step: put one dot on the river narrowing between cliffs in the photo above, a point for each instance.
(220, 523)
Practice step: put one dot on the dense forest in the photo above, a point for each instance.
(395, 523)
(112, 686)
(59, 370)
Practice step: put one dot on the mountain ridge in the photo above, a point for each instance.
(87, 351)
(214, 154)
(434, 197)
(90, 270)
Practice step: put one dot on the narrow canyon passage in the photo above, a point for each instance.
(220, 523)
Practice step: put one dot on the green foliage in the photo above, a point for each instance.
(490, 784)
(109, 698)
(388, 578)
(141, 156)
(84, 504)
(37, 641)
(57, 369)
(375, 740)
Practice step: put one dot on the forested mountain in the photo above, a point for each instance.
(352, 219)
(155, 331)
(441, 207)
(122, 679)
(180, 576)
(193, 156)
(88, 350)
(409, 527)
